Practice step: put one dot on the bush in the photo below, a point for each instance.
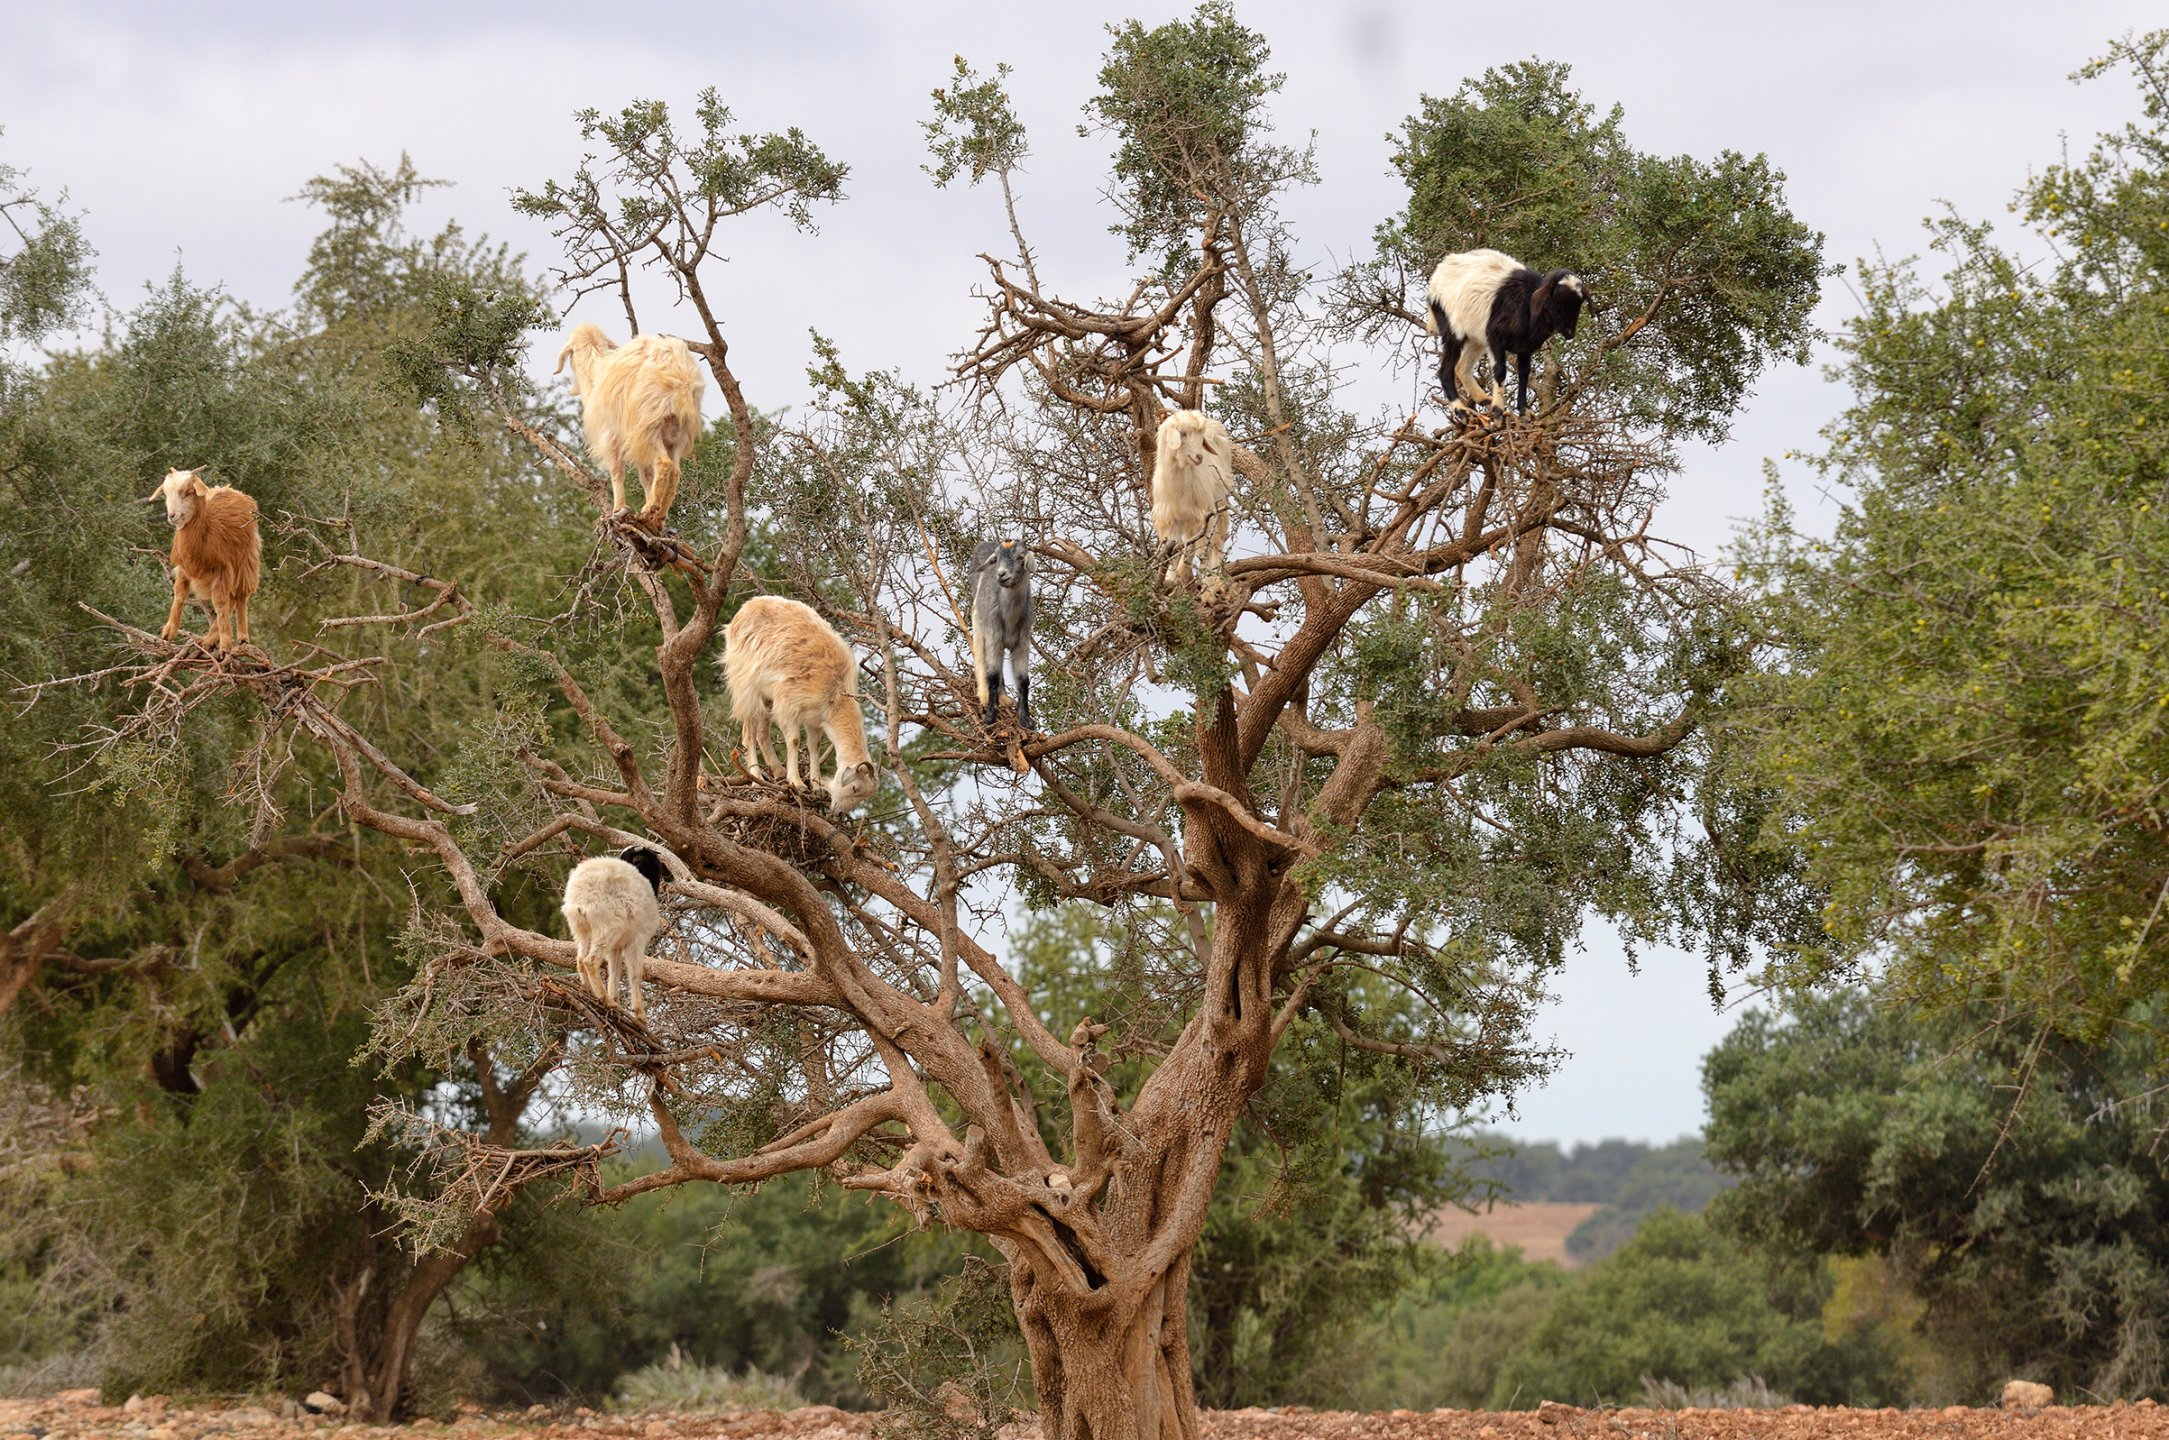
(674, 1385)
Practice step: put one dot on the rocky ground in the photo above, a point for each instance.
(77, 1415)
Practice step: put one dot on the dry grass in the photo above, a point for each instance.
(1538, 1228)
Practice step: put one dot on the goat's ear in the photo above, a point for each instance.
(1207, 442)
(195, 485)
(1541, 297)
(156, 495)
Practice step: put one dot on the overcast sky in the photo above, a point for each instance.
(178, 129)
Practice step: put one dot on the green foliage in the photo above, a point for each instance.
(975, 128)
(1324, 1192)
(1679, 1309)
(1186, 102)
(225, 937)
(650, 167)
(1444, 1341)
(763, 1283)
(216, 1233)
(1675, 1176)
(950, 1367)
(1700, 261)
(1966, 728)
(1675, 1303)
(675, 1386)
(44, 272)
(1990, 1166)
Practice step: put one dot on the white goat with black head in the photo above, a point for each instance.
(1002, 623)
(1484, 300)
(611, 908)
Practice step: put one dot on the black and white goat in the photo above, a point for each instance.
(1485, 300)
(1002, 622)
(611, 908)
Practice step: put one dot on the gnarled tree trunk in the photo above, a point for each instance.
(1110, 1370)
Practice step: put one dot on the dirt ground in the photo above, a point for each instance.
(78, 1416)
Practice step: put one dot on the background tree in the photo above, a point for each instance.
(1965, 730)
(206, 938)
(1442, 706)
(1997, 1176)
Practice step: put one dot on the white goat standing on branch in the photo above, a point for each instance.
(611, 908)
(640, 406)
(1193, 474)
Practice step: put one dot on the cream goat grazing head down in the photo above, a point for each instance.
(786, 666)
(217, 554)
(640, 406)
(1193, 475)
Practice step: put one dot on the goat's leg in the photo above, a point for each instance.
(990, 686)
(219, 636)
(614, 461)
(614, 968)
(173, 617)
(662, 490)
(1020, 658)
(790, 755)
(754, 730)
(1216, 538)
(1521, 379)
(241, 610)
(1465, 375)
(583, 952)
(635, 972)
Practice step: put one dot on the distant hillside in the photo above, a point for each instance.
(1624, 1179)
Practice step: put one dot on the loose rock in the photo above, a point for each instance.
(2027, 1395)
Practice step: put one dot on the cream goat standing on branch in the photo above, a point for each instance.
(1193, 476)
(786, 666)
(1484, 300)
(640, 406)
(611, 908)
(217, 554)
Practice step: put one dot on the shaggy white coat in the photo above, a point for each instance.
(1193, 475)
(786, 666)
(613, 914)
(640, 406)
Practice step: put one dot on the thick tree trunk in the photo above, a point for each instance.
(1105, 1372)
(378, 1399)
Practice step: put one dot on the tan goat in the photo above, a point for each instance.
(1193, 475)
(217, 554)
(640, 406)
(784, 665)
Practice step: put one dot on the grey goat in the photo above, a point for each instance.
(1002, 622)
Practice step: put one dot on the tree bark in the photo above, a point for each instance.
(379, 1402)
(1104, 1372)
(378, 1398)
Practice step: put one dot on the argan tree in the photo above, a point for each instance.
(1442, 704)
(184, 978)
(1970, 723)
